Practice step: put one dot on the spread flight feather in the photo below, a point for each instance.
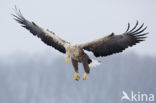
(100, 47)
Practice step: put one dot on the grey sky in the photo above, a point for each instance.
(75, 21)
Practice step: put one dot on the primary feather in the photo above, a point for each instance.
(46, 36)
(116, 43)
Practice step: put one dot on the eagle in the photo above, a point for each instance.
(101, 47)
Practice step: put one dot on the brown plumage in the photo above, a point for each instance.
(100, 47)
(116, 43)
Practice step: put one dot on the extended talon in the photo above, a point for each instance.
(84, 76)
(76, 76)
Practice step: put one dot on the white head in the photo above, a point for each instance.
(70, 51)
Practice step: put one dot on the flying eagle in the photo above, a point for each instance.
(100, 47)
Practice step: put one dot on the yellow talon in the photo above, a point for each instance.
(84, 76)
(76, 76)
(67, 59)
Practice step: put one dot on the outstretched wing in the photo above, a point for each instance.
(46, 36)
(116, 43)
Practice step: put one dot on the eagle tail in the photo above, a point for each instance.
(94, 63)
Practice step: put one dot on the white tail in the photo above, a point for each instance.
(94, 63)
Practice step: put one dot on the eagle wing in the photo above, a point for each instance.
(46, 36)
(116, 43)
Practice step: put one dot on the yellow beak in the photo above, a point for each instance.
(67, 59)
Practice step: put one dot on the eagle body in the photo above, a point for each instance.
(101, 47)
(77, 54)
(74, 51)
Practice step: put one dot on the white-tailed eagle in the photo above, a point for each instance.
(100, 47)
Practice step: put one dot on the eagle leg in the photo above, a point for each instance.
(86, 68)
(85, 76)
(75, 65)
(76, 76)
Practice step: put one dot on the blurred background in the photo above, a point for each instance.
(31, 72)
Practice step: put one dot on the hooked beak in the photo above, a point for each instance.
(67, 59)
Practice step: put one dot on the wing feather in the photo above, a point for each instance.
(116, 43)
(48, 37)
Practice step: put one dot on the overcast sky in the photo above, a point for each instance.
(76, 21)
